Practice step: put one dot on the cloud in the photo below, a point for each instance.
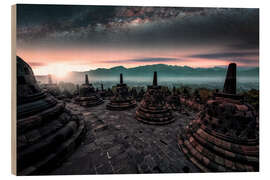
(225, 55)
(152, 60)
(243, 46)
(245, 61)
(236, 57)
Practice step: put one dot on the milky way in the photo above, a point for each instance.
(172, 33)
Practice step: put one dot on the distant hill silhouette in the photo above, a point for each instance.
(168, 70)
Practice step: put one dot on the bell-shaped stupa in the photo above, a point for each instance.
(140, 95)
(46, 131)
(52, 88)
(102, 91)
(225, 136)
(87, 95)
(122, 99)
(174, 101)
(153, 108)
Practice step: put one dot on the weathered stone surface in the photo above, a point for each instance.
(140, 95)
(191, 104)
(153, 108)
(230, 81)
(122, 100)
(174, 101)
(52, 88)
(47, 132)
(225, 136)
(126, 145)
(87, 95)
(229, 89)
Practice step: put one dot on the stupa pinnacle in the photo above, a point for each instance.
(230, 82)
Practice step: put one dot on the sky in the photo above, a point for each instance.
(56, 39)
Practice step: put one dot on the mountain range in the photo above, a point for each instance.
(168, 70)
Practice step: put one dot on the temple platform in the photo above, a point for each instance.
(116, 143)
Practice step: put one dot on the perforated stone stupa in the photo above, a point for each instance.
(46, 131)
(174, 101)
(153, 108)
(225, 137)
(122, 99)
(52, 88)
(87, 95)
(102, 91)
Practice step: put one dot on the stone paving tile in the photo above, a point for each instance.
(120, 162)
(116, 143)
(105, 169)
(83, 166)
(115, 150)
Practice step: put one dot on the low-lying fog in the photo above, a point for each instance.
(243, 83)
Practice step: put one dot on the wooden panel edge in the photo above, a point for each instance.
(13, 92)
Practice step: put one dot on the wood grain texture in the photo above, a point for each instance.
(13, 91)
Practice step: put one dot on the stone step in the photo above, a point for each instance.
(64, 149)
(204, 161)
(31, 108)
(120, 106)
(154, 110)
(232, 165)
(45, 146)
(157, 121)
(155, 115)
(43, 117)
(33, 136)
(226, 148)
(249, 142)
(247, 150)
(91, 103)
(200, 165)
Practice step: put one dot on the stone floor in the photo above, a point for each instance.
(116, 143)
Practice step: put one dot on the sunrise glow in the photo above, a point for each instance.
(131, 39)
